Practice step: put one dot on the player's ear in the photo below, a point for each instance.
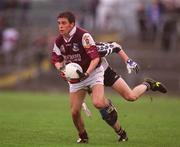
(72, 24)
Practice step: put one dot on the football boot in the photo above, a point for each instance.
(83, 138)
(122, 135)
(155, 85)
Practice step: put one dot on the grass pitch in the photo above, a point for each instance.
(43, 119)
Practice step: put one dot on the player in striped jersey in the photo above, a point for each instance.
(112, 79)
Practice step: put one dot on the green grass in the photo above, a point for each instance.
(43, 119)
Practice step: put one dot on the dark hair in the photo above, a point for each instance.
(69, 15)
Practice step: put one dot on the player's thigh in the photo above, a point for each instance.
(122, 87)
(76, 99)
(98, 97)
(98, 91)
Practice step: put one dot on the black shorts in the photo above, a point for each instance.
(110, 77)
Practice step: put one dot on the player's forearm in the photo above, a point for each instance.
(123, 55)
(93, 65)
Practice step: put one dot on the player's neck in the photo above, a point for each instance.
(68, 36)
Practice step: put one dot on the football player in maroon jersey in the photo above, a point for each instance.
(77, 45)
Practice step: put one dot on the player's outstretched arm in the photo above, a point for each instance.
(107, 48)
(131, 65)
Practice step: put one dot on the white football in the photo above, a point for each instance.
(70, 70)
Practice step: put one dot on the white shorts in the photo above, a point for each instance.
(96, 77)
(104, 63)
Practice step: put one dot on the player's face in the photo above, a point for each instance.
(64, 26)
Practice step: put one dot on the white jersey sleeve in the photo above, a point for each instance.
(56, 50)
(87, 40)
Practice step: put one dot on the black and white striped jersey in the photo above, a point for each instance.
(107, 48)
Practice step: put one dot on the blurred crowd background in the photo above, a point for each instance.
(148, 30)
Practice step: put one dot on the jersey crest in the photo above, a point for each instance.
(75, 47)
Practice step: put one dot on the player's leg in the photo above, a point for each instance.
(112, 120)
(106, 108)
(98, 96)
(126, 92)
(133, 94)
(107, 111)
(112, 79)
(76, 100)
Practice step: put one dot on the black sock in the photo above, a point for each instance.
(147, 84)
(120, 131)
(83, 135)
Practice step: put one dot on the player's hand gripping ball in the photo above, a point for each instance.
(71, 71)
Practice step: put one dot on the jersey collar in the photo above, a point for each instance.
(71, 34)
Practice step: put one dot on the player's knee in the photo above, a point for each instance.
(75, 113)
(109, 114)
(98, 103)
(130, 97)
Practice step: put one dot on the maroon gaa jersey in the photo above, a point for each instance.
(80, 48)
